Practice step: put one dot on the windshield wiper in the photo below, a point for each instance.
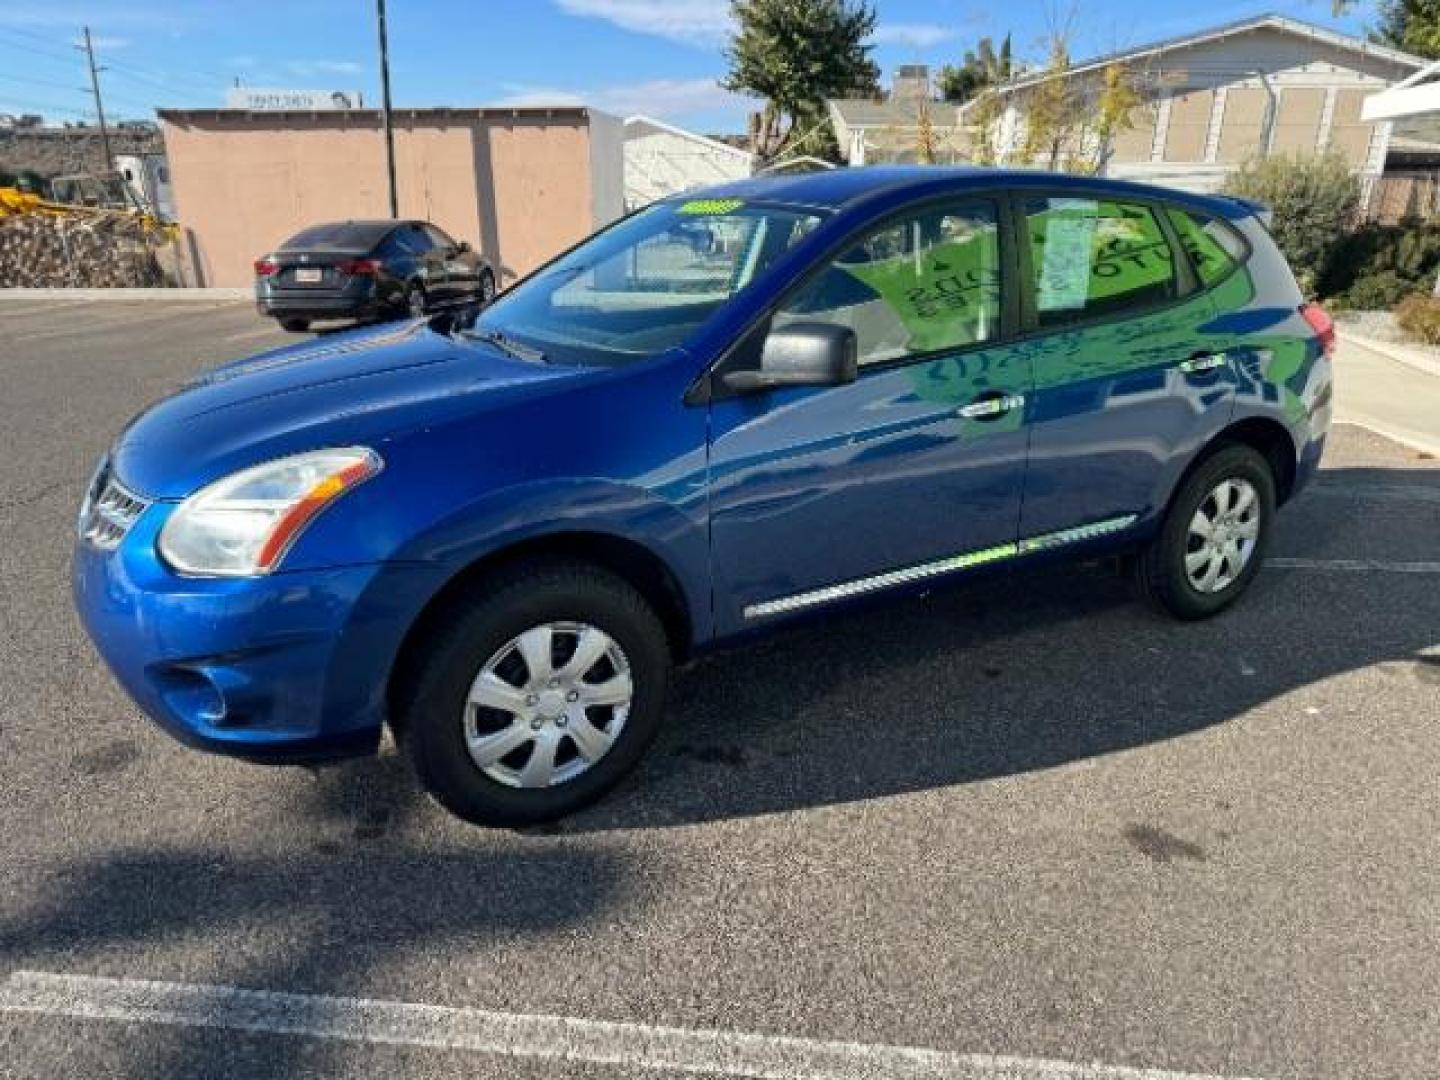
(507, 345)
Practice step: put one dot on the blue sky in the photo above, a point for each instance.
(660, 57)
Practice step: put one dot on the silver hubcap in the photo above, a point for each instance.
(487, 289)
(417, 302)
(548, 705)
(1222, 536)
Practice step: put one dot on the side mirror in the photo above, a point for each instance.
(801, 354)
(462, 247)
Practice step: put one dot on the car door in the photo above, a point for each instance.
(461, 279)
(912, 470)
(428, 261)
(1128, 381)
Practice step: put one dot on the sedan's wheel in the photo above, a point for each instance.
(1214, 536)
(415, 301)
(487, 286)
(537, 691)
(295, 326)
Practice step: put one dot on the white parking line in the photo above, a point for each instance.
(1356, 565)
(628, 1046)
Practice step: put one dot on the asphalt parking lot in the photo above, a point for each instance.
(1018, 824)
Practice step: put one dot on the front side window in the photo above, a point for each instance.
(923, 284)
(438, 239)
(647, 284)
(1090, 258)
(1213, 246)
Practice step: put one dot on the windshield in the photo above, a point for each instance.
(645, 285)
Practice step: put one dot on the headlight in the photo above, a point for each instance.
(243, 525)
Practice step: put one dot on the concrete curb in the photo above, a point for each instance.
(127, 294)
(1401, 354)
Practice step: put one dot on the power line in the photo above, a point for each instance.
(208, 81)
(99, 105)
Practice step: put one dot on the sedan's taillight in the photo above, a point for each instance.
(266, 267)
(360, 266)
(1323, 325)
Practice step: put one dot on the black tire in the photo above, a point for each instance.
(295, 326)
(487, 287)
(1159, 568)
(416, 302)
(430, 705)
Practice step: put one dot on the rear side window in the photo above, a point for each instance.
(927, 282)
(1214, 247)
(1090, 258)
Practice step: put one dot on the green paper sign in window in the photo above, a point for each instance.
(1093, 257)
(926, 283)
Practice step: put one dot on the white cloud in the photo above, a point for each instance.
(694, 22)
(654, 97)
(913, 35)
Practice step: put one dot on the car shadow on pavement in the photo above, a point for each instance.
(307, 917)
(1031, 672)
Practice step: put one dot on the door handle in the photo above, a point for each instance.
(1202, 361)
(990, 406)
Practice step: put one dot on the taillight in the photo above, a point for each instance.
(1323, 325)
(266, 267)
(360, 266)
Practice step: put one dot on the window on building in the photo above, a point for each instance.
(1093, 257)
(923, 284)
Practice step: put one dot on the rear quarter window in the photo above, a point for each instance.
(1095, 258)
(1214, 247)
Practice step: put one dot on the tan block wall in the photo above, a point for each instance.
(519, 190)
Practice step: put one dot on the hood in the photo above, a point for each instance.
(352, 389)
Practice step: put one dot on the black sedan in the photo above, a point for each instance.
(368, 270)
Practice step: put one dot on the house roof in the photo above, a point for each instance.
(1270, 21)
(704, 140)
(865, 113)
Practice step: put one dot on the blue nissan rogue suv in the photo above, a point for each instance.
(731, 409)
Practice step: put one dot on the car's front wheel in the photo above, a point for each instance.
(1214, 536)
(295, 326)
(539, 691)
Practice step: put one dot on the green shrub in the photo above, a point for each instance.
(1376, 292)
(1408, 252)
(1419, 316)
(1313, 200)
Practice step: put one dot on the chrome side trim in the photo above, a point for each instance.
(920, 572)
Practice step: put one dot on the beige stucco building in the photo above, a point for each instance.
(521, 184)
(1264, 85)
(1210, 100)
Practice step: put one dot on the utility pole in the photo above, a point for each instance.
(89, 51)
(385, 107)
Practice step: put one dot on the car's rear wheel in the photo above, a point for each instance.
(295, 326)
(415, 300)
(487, 286)
(539, 692)
(1214, 536)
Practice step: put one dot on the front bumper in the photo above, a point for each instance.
(289, 668)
